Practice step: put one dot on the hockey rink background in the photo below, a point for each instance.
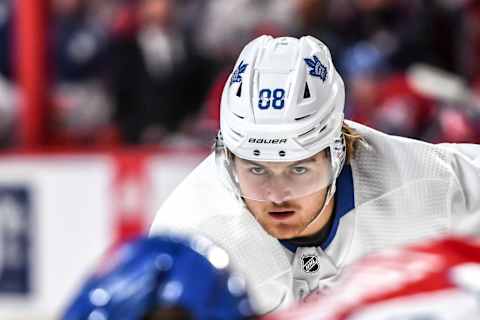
(61, 212)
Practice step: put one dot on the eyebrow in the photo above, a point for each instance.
(251, 162)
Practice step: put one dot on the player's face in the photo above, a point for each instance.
(284, 216)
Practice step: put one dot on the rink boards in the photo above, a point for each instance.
(60, 212)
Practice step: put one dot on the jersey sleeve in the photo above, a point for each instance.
(465, 188)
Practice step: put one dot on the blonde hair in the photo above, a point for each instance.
(352, 139)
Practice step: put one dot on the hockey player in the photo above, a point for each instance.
(294, 192)
(163, 278)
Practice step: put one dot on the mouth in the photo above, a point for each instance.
(281, 214)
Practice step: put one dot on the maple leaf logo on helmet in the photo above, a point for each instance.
(237, 74)
(318, 69)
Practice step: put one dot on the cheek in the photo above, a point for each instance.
(313, 203)
(255, 207)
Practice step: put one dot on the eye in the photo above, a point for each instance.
(257, 170)
(299, 170)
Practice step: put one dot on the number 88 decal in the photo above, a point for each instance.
(275, 98)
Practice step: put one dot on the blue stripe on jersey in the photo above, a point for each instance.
(344, 202)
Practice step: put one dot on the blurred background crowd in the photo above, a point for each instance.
(150, 72)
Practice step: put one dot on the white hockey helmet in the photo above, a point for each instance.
(283, 102)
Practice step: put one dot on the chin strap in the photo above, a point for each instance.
(326, 201)
(338, 154)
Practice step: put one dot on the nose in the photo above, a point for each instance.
(278, 192)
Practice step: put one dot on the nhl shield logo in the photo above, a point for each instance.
(310, 263)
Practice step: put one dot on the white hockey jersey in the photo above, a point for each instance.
(404, 190)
